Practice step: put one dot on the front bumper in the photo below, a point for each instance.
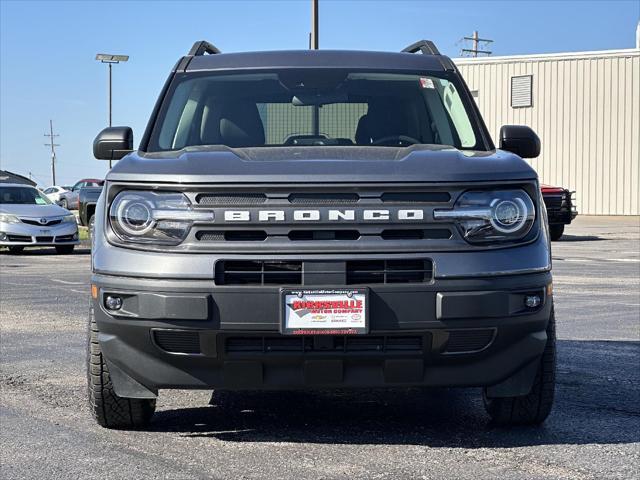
(194, 334)
(26, 235)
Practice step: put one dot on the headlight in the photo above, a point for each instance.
(491, 216)
(7, 218)
(150, 217)
(69, 219)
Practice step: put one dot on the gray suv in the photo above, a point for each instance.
(319, 219)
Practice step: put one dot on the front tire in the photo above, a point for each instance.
(533, 408)
(64, 203)
(64, 249)
(108, 409)
(556, 232)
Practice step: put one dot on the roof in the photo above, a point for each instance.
(626, 52)
(318, 59)
(7, 177)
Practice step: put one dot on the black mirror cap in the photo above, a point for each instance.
(113, 143)
(521, 140)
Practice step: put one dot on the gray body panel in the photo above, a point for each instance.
(321, 165)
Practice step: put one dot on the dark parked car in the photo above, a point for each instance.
(319, 219)
(87, 204)
(561, 209)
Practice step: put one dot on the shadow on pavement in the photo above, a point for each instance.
(597, 401)
(581, 238)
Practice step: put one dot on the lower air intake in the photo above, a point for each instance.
(469, 340)
(177, 341)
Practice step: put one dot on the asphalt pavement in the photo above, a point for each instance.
(46, 430)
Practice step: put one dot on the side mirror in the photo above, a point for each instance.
(521, 140)
(113, 143)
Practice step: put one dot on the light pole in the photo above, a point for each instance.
(110, 60)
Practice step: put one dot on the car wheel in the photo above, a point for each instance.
(64, 249)
(64, 203)
(16, 250)
(556, 231)
(109, 409)
(533, 408)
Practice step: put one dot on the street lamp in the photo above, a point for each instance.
(110, 60)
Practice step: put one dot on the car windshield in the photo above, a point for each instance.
(311, 107)
(22, 196)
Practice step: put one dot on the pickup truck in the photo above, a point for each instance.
(87, 200)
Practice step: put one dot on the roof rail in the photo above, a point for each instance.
(426, 47)
(201, 47)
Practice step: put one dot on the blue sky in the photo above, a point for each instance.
(47, 50)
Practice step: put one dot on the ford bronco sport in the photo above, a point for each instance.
(319, 219)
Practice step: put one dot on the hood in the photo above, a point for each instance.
(321, 164)
(37, 211)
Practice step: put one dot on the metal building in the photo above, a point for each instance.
(585, 107)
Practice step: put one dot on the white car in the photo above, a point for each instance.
(29, 219)
(53, 192)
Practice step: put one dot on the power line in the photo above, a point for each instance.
(475, 43)
(53, 146)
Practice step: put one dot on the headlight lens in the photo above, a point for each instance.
(7, 218)
(69, 219)
(491, 216)
(152, 217)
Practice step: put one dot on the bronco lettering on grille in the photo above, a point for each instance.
(323, 215)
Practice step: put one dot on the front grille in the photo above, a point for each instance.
(258, 272)
(18, 238)
(322, 218)
(37, 222)
(45, 239)
(389, 271)
(177, 341)
(230, 199)
(337, 344)
(469, 340)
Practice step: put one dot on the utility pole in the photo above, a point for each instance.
(53, 146)
(314, 44)
(475, 43)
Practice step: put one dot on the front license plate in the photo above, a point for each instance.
(325, 312)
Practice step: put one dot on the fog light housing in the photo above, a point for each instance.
(532, 301)
(112, 302)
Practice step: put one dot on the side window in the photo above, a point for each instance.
(49, 190)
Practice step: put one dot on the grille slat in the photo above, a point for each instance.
(258, 272)
(389, 271)
(230, 199)
(324, 198)
(338, 343)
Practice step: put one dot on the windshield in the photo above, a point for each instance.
(22, 196)
(314, 107)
